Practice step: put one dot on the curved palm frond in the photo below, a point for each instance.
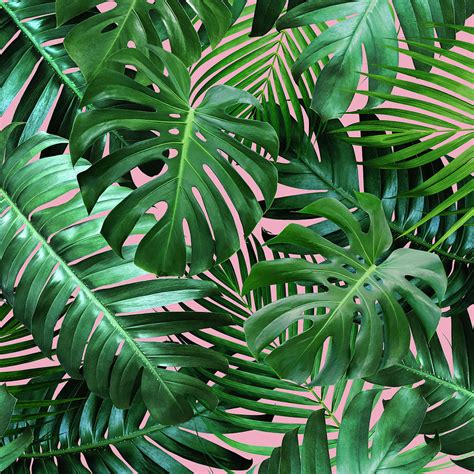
(424, 130)
(67, 273)
(450, 392)
(51, 409)
(261, 66)
(76, 424)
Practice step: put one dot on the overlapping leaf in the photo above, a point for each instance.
(197, 147)
(434, 124)
(10, 452)
(366, 22)
(140, 22)
(262, 67)
(356, 283)
(55, 264)
(371, 24)
(37, 55)
(78, 425)
(397, 427)
(332, 171)
(450, 393)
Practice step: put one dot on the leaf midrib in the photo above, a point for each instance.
(436, 379)
(186, 141)
(348, 297)
(41, 51)
(97, 445)
(87, 291)
(119, 30)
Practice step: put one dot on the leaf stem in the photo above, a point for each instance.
(326, 408)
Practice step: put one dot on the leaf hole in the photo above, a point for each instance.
(174, 131)
(200, 200)
(201, 137)
(186, 233)
(172, 153)
(223, 153)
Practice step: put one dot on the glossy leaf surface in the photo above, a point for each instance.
(359, 282)
(195, 145)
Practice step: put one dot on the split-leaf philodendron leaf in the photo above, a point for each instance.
(397, 427)
(139, 22)
(195, 145)
(360, 298)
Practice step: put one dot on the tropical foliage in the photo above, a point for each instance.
(236, 235)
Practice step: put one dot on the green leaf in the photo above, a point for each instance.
(443, 121)
(10, 452)
(52, 89)
(357, 282)
(266, 13)
(449, 391)
(397, 427)
(261, 66)
(332, 171)
(62, 251)
(137, 21)
(365, 23)
(7, 402)
(202, 138)
(93, 429)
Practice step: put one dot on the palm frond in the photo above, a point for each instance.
(261, 66)
(449, 391)
(33, 54)
(435, 125)
(70, 275)
(78, 425)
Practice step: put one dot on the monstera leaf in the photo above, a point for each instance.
(371, 24)
(396, 428)
(367, 23)
(356, 284)
(139, 22)
(198, 147)
(449, 391)
(56, 266)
